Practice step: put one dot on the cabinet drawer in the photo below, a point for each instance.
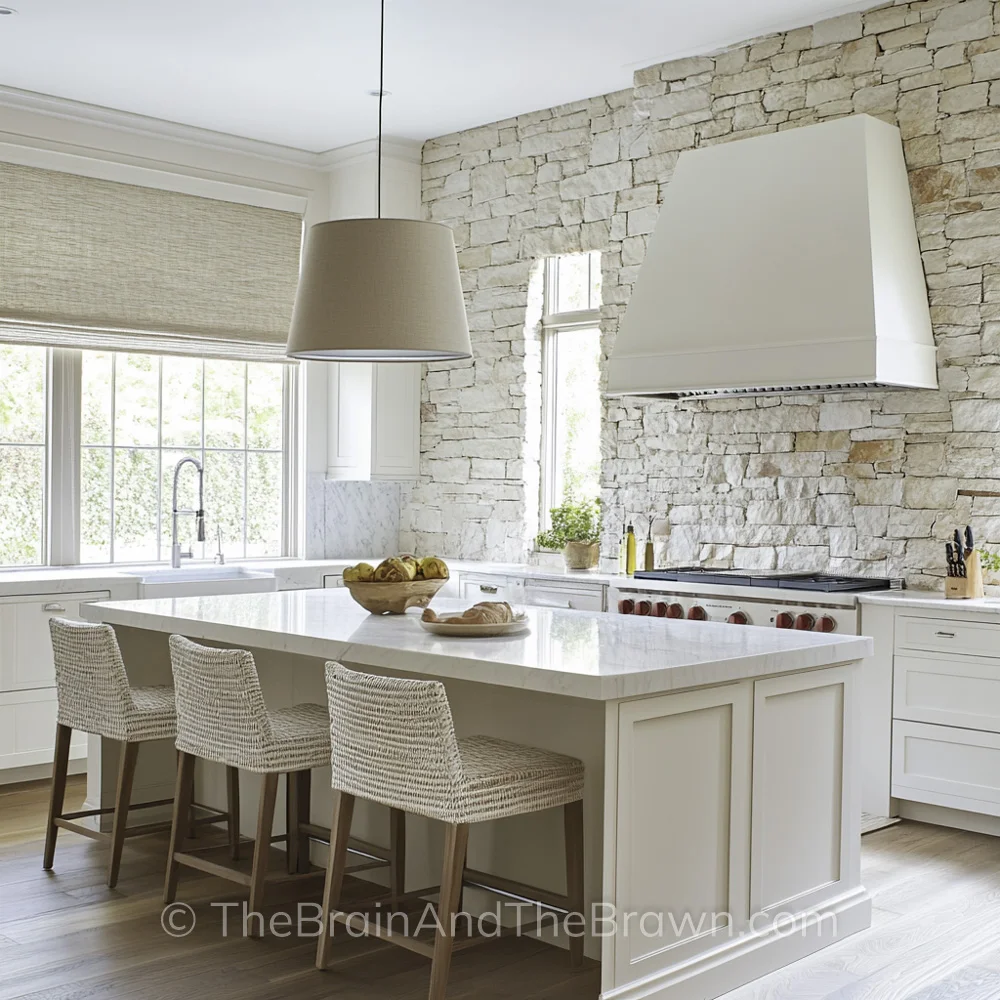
(571, 598)
(943, 766)
(951, 691)
(333, 580)
(943, 636)
(25, 645)
(491, 588)
(28, 728)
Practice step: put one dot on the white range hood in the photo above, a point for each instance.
(787, 262)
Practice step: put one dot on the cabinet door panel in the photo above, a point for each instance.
(682, 825)
(806, 799)
(396, 434)
(25, 647)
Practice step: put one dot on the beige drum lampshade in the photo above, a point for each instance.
(379, 290)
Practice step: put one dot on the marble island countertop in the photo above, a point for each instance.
(577, 653)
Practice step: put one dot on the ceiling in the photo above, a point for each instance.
(298, 72)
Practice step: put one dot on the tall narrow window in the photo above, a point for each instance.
(571, 365)
(140, 415)
(23, 443)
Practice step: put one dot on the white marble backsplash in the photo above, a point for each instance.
(351, 518)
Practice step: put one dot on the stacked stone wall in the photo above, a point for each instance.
(863, 482)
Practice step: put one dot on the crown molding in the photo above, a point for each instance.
(409, 150)
(155, 128)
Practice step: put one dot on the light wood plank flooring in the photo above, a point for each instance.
(65, 936)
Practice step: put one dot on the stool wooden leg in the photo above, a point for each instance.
(123, 798)
(455, 843)
(183, 791)
(573, 824)
(397, 854)
(233, 806)
(261, 848)
(298, 786)
(60, 768)
(340, 832)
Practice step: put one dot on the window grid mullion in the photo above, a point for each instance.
(246, 456)
(114, 420)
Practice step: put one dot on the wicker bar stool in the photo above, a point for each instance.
(221, 716)
(393, 742)
(94, 696)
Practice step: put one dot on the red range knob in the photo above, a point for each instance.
(697, 613)
(826, 624)
(626, 606)
(805, 622)
(675, 610)
(739, 618)
(643, 607)
(784, 620)
(660, 610)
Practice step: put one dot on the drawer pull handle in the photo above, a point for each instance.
(487, 589)
(946, 635)
(54, 607)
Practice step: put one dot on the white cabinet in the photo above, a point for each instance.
(946, 713)
(571, 596)
(27, 677)
(374, 421)
(25, 647)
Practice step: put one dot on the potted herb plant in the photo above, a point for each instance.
(576, 529)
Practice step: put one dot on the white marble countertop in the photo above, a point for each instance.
(928, 600)
(576, 653)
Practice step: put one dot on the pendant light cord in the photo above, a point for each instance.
(381, 95)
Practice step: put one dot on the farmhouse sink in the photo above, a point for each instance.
(203, 581)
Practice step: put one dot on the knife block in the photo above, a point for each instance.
(962, 588)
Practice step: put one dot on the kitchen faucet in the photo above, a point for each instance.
(199, 515)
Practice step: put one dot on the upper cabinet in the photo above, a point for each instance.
(374, 421)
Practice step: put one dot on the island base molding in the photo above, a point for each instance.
(746, 958)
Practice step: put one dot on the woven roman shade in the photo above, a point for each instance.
(95, 264)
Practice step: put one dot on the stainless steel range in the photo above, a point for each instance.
(815, 602)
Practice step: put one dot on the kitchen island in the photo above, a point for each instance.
(722, 800)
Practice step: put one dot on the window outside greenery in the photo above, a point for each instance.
(23, 441)
(571, 379)
(139, 415)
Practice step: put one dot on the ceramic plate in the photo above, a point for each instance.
(519, 624)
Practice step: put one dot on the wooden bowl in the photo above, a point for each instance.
(394, 598)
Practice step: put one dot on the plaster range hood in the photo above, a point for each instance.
(783, 263)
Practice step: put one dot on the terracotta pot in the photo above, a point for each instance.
(581, 555)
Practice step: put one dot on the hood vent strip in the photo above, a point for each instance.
(775, 390)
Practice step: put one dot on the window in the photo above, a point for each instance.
(571, 367)
(132, 419)
(23, 447)
(141, 415)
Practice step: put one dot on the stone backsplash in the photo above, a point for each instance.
(862, 482)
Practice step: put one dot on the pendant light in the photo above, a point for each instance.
(379, 289)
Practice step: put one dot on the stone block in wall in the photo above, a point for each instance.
(837, 29)
(961, 22)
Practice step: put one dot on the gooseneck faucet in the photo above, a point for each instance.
(199, 515)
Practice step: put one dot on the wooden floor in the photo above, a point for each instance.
(65, 936)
